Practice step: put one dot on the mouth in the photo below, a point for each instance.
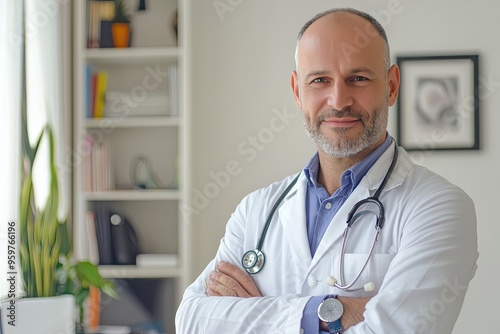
(343, 122)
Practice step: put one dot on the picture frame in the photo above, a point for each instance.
(438, 103)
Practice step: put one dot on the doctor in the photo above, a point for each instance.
(411, 278)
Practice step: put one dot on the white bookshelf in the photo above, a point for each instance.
(163, 138)
(134, 195)
(138, 272)
(131, 55)
(136, 122)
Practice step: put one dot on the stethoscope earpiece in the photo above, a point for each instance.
(331, 281)
(370, 286)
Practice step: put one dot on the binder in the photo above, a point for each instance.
(103, 232)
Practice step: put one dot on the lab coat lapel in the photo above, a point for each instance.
(292, 215)
(332, 239)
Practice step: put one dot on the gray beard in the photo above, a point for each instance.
(344, 148)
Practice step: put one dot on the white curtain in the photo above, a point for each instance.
(47, 68)
(47, 30)
(10, 95)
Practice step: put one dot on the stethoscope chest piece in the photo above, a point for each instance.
(253, 261)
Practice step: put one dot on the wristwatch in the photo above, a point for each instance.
(330, 310)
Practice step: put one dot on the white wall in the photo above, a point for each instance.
(241, 65)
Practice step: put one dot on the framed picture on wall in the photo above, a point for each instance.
(438, 103)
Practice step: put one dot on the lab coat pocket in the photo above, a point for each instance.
(375, 269)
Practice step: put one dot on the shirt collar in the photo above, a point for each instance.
(351, 176)
(311, 171)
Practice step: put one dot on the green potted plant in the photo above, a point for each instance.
(45, 250)
(120, 28)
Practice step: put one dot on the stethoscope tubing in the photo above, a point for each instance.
(351, 219)
(253, 260)
(342, 257)
(260, 243)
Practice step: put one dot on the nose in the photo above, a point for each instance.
(340, 96)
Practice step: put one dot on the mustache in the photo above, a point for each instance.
(333, 113)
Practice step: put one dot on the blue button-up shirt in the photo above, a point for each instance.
(320, 210)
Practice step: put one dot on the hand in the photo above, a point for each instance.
(230, 280)
(353, 310)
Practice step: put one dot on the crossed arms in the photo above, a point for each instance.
(230, 281)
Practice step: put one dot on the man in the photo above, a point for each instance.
(420, 264)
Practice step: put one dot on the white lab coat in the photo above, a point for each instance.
(422, 264)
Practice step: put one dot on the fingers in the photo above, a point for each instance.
(209, 291)
(241, 277)
(214, 287)
(224, 285)
(229, 280)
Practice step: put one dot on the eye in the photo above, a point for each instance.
(319, 80)
(359, 79)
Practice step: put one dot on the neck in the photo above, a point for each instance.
(331, 168)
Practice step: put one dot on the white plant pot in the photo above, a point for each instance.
(49, 315)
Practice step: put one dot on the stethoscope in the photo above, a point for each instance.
(253, 260)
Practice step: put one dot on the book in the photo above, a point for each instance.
(106, 36)
(96, 166)
(97, 12)
(88, 91)
(100, 94)
(98, 169)
(93, 93)
(92, 24)
(93, 247)
(103, 232)
(87, 168)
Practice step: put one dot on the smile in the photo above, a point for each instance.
(341, 122)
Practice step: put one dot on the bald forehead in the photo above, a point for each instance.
(352, 32)
(339, 17)
(344, 23)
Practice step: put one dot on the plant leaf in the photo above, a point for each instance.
(88, 274)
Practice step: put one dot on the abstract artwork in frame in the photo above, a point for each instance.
(438, 103)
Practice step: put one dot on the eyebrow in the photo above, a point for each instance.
(350, 72)
(362, 70)
(316, 73)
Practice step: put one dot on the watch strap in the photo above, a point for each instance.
(335, 326)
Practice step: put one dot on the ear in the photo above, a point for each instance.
(393, 80)
(294, 81)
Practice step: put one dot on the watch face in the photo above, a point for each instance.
(330, 310)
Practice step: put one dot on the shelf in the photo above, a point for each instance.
(131, 271)
(146, 117)
(131, 55)
(132, 122)
(134, 195)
